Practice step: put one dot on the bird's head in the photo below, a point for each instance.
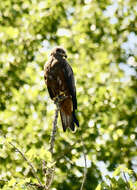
(58, 51)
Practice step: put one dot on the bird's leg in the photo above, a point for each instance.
(59, 98)
(54, 99)
(62, 93)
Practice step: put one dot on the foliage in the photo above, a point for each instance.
(100, 39)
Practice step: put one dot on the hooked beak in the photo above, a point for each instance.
(65, 55)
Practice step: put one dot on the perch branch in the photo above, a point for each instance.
(53, 133)
(57, 101)
(50, 171)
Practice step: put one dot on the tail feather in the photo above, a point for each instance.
(68, 120)
(72, 126)
(68, 116)
(75, 119)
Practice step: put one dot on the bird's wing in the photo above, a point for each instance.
(68, 73)
(46, 69)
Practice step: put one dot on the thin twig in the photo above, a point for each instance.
(110, 186)
(128, 186)
(130, 166)
(85, 162)
(29, 163)
(50, 177)
(34, 185)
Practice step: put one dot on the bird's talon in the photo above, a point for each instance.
(61, 93)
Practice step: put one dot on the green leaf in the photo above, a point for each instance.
(117, 171)
(98, 187)
(12, 182)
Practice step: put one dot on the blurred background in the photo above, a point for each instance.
(101, 42)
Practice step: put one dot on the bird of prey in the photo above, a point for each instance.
(60, 83)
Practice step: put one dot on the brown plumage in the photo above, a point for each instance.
(60, 82)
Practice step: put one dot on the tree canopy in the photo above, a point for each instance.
(101, 42)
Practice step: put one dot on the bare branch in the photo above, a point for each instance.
(49, 176)
(85, 162)
(130, 166)
(128, 186)
(51, 170)
(57, 101)
(29, 163)
(54, 130)
(35, 185)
